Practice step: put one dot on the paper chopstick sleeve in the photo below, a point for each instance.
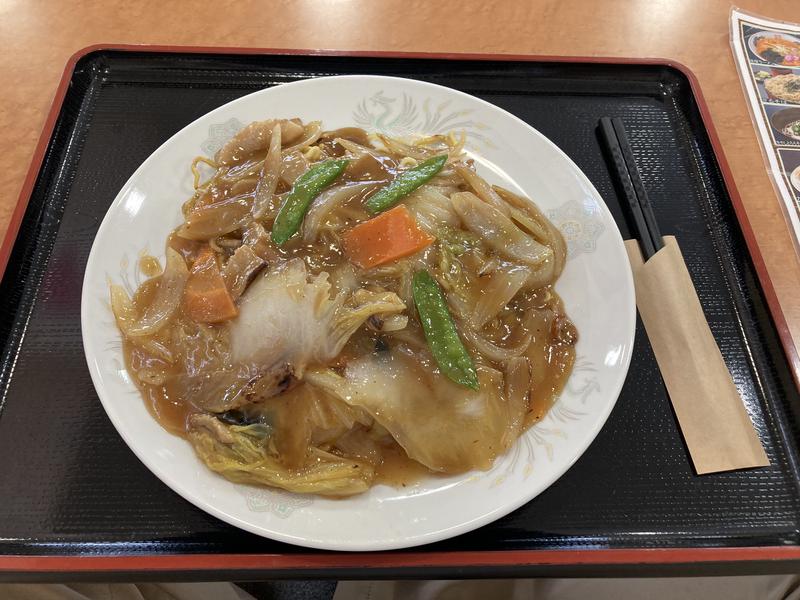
(711, 415)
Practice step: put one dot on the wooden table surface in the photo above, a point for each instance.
(38, 36)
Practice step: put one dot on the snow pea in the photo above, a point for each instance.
(440, 332)
(405, 183)
(305, 189)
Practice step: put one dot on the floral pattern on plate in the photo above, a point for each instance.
(580, 225)
(403, 116)
(278, 502)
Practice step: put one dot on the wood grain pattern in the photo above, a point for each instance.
(38, 37)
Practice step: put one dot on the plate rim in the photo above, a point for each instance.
(342, 545)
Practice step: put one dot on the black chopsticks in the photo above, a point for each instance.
(612, 131)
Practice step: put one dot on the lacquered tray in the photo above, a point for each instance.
(75, 499)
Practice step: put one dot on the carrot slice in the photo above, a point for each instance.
(206, 299)
(387, 237)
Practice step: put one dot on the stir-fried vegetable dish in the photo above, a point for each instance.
(340, 309)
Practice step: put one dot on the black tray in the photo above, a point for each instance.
(74, 498)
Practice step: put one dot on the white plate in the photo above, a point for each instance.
(596, 286)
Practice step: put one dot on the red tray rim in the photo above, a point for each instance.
(375, 560)
(393, 560)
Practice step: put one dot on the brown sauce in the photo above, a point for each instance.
(544, 395)
(168, 409)
(551, 357)
(398, 470)
(171, 413)
(149, 265)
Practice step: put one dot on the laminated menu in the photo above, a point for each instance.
(767, 55)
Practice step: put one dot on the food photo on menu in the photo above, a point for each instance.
(766, 56)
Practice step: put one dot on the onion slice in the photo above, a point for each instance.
(270, 172)
(501, 287)
(167, 300)
(498, 231)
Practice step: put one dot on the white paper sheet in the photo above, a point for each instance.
(769, 82)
